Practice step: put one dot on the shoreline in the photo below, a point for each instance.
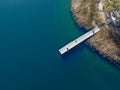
(106, 59)
(91, 42)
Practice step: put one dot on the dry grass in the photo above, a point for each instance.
(105, 42)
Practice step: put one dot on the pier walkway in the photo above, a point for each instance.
(87, 35)
(79, 40)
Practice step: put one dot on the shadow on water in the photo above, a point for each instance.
(106, 60)
(92, 50)
(71, 54)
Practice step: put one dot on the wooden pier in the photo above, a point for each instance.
(79, 40)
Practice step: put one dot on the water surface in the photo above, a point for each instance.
(31, 32)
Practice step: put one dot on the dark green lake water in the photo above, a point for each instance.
(31, 32)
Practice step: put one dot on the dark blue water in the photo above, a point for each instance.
(31, 32)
